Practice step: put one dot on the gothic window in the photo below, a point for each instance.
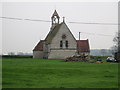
(66, 44)
(61, 44)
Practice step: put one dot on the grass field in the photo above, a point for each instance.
(46, 73)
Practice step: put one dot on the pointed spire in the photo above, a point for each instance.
(55, 14)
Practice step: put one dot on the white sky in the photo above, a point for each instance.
(22, 36)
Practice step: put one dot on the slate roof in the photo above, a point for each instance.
(52, 33)
(83, 45)
(39, 46)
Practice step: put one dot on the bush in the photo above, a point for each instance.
(17, 56)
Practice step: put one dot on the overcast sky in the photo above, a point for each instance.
(23, 35)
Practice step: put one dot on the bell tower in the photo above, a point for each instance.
(55, 19)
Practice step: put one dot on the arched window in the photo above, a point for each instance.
(66, 44)
(61, 44)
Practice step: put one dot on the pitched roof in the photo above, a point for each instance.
(55, 14)
(52, 33)
(83, 45)
(39, 46)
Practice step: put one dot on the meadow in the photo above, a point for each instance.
(53, 73)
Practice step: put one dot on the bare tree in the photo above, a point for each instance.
(115, 40)
(114, 48)
(119, 41)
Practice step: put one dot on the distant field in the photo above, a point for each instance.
(46, 73)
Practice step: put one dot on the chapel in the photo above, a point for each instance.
(60, 43)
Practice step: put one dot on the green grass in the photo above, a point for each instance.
(44, 73)
(0, 73)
